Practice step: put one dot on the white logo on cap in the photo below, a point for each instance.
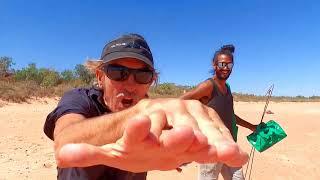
(118, 44)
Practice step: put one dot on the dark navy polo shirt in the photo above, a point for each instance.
(89, 103)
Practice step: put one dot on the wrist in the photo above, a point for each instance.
(141, 106)
(133, 111)
(253, 127)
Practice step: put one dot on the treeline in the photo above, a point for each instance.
(44, 77)
(19, 85)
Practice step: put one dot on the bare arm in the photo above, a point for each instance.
(245, 124)
(202, 90)
(197, 134)
(75, 128)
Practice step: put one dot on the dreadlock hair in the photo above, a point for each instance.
(226, 50)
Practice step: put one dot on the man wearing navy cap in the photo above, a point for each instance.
(112, 132)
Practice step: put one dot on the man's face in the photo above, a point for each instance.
(221, 68)
(122, 94)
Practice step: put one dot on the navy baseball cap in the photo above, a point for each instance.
(128, 46)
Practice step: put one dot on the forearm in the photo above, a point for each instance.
(99, 130)
(243, 123)
(188, 95)
(202, 90)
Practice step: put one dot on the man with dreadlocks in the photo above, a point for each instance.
(216, 93)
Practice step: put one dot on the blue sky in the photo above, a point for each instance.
(276, 41)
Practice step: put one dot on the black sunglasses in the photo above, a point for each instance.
(222, 65)
(122, 73)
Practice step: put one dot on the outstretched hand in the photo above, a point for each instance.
(164, 135)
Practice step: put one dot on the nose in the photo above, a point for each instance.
(130, 83)
(225, 68)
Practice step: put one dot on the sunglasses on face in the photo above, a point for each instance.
(122, 73)
(222, 65)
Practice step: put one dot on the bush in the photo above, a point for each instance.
(49, 78)
(43, 76)
(167, 90)
(67, 75)
(83, 73)
(5, 66)
(30, 73)
(18, 91)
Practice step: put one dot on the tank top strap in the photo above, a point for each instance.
(215, 90)
(228, 88)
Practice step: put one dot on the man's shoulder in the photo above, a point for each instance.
(81, 94)
(83, 91)
(82, 101)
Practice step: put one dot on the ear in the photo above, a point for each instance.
(100, 77)
(155, 79)
(214, 66)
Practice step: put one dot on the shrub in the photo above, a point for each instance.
(67, 75)
(83, 73)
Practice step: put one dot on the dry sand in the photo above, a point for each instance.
(26, 153)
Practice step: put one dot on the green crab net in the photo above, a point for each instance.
(266, 135)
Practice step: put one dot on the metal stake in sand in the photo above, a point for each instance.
(251, 157)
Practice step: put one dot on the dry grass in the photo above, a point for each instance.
(25, 90)
(253, 98)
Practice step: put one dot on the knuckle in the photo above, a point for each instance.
(180, 103)
(195, 102)
(224, 130)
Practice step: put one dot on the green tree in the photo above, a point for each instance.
(44, 76)
(83, 73)
(29, 73)
(6, 64)
(168, 89)
(67, 75)
(48, 77)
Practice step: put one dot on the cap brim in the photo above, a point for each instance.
(118, 55)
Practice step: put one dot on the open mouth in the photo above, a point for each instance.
(127, 102)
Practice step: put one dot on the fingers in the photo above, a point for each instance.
(137, 130)
(158, 122)
(222, 131)
(208, 122)
(219, 123)
(238, 160)
(227, 151)
(181, 116)
(176, 140)
(219, 137)
(200, 141)
(185, 131)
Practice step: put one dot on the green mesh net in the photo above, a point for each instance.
(266, 135)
